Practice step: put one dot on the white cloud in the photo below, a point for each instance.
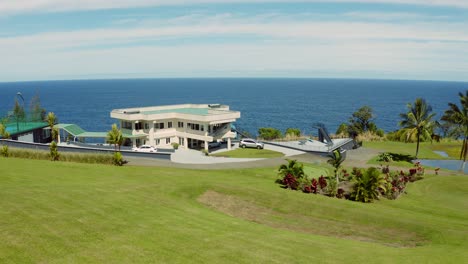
(21, 6)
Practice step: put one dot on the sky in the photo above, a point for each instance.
(96, 39)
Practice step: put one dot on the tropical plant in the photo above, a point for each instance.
(293, 167)
(418, 120)
(336, 159)
(368, 185)
(52, 120)
(117, 159)
(3, 132)
(361, 120)
(54, 154)
(115, 137)
(4, 151)
(458, 117)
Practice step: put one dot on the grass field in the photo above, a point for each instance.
(249, 153)
(84, 213)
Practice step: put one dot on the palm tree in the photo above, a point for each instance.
(114, 136)
(459, 117)
(335, 160)
(52, 120)
(293, 167)
(418, 120)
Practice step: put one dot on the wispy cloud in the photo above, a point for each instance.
(21, 6)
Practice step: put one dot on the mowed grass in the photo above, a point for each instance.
(249, 153)
(56, 212)
(426, 150)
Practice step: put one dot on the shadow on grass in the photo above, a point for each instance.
(402, 157)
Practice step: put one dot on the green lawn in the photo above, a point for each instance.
(83, 213)
(249, 153)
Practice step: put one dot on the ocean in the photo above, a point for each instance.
(263, 102)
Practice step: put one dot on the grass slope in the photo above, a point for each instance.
(82, 213)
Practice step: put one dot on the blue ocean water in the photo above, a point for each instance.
(279, 103)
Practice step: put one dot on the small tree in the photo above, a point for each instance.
(361, 120)
(418, 120)
(3, 132)
(36, 111)
(336, 159)
(52, 120)
(54, 154)
(115, 137)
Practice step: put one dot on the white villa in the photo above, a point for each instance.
(189, 125)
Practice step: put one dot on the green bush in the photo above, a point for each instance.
(53, 154)
(269, 133)
(293, 132)
(117, 159)
(175, 145)
(4, 151)
(367, 185)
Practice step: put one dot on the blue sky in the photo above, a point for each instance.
(389, 39)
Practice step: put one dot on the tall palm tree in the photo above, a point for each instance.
(418, 120)
(458, 116)
(52, 120)
(114, 136)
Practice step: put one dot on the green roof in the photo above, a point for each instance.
(21, 127)
(189, 111)
(79, 132)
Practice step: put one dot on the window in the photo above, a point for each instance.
(180, 124)
(126, 125)
(169, 124)
(181, 141)
(158, 141)
(138, 126)
(168, 140)
(159, 125)
(146, 126)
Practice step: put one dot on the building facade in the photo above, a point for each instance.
(189, 125)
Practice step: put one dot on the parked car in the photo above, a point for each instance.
(144, 148)
(250, 143)
(214, 144)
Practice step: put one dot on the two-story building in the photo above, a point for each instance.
(189, 125)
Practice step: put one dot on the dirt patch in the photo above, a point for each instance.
(236, 207)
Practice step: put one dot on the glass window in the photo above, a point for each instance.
(169, 124)
(180, 124)
(168, 140)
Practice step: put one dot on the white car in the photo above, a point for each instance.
(144, 148)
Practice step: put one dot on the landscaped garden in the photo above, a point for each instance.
(86, 213)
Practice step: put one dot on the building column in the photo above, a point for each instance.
(151, 136)
(206, 146)
(133, 142)
(58, 136)
(229, 144)
(185, 142)
(205, 126)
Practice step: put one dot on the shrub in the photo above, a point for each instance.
(368, 185)
(175, 145)
(340, 193)
(4, 151)
(117, 159)
(54, 155)
(290, 182)
(269, 133)
(322, 182)
(332, 187)
(293, 132)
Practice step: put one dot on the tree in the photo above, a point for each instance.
(36, 111)
(342, 130)
(458, 117)
(52, 120)
(418, 120)
(18, 113)
(293, 132)
(367, 185)
(3, 132)
(336, 159)
(115, 137)
(361, 120)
